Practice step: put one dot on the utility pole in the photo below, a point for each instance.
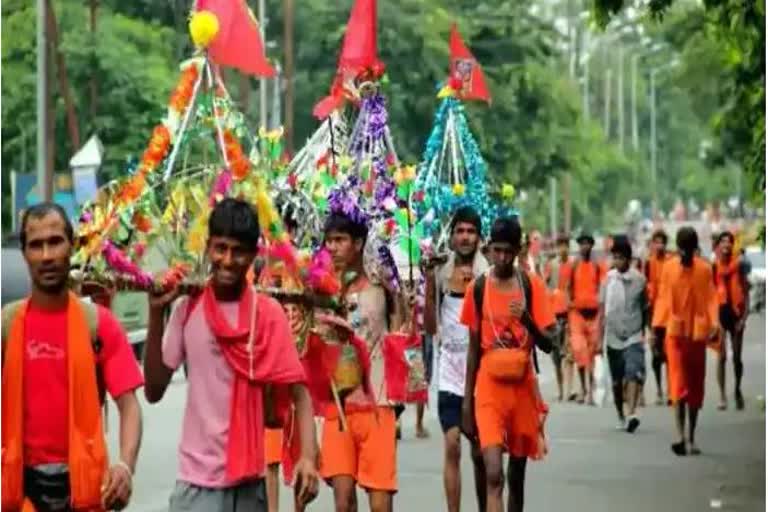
(276, 98)
(263, 109)
(288, 72)
(620, 97)
(607, 103)
(42, 122)
(653, 141)
(635, 132)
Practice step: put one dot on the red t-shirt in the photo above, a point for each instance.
(46, 435)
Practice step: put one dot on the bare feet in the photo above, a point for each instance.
(421, 432)
(693, 449)
(659, 400)
(723, 405)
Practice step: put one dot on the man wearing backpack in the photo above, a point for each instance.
(584, 291)
(508, 313)
(60, 355)
(446, 286)
(244, 370)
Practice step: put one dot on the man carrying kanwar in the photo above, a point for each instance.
(446, 285)
(238, 346)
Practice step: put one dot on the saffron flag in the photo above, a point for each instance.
(359, 55)
(466, 76)
(238, 43)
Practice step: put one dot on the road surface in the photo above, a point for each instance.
(590, 467)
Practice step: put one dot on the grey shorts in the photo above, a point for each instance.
(246, 497)
(627, 364)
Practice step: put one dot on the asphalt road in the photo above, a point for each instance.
(590, 467)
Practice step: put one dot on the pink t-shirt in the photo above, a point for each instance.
(203, 446)
(46, 427)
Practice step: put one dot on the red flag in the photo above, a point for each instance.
(238, 43)
(466, 75)
(359, 56)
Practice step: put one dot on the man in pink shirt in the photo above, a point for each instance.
(235, 343)
(41, 346)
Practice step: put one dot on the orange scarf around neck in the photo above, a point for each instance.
(729, 288)
(87, 459)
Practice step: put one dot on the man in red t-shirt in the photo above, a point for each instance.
(41, 355)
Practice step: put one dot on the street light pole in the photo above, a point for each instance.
(42, 122)
(607, 103)
(635, 132)
(653, 140)
(620, 97)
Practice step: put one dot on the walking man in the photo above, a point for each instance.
(733, 297)
(623, 310)
(364, 453)
(236, 342)
(558, 277)
(584, 291)
(60, 355)
(687, 310)
(656, 259)
(507, 311)
(446, 285)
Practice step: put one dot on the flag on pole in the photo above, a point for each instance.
(238, 43)
(466, 76)
(359, 56)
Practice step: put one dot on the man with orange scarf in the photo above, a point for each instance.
(60, 355)
(686, 308)
(733, 297)
(237, 344)
(557, 275)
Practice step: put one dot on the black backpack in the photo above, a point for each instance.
(540, 342)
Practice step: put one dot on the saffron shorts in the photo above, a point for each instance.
(273, 445)
(366, 451)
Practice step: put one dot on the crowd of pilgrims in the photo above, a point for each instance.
(288, 385)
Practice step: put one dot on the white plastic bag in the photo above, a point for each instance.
(602, 380)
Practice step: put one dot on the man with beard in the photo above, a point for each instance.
(656, 259)
(733, 297)
(686, 308)
(584, 291)
(236, 342)
(60, 355)
(507, 311)
(446, 285)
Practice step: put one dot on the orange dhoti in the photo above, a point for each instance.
(584, 339)
(686, 364)
(510, 415)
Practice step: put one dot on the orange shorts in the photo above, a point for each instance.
(584, 339)
(510, 415)
(367, 451)
(273, 445)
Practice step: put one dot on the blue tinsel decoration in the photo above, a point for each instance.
(440, 196)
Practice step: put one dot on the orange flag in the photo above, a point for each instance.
(359, 56)
(466, 76)
(238, 43)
